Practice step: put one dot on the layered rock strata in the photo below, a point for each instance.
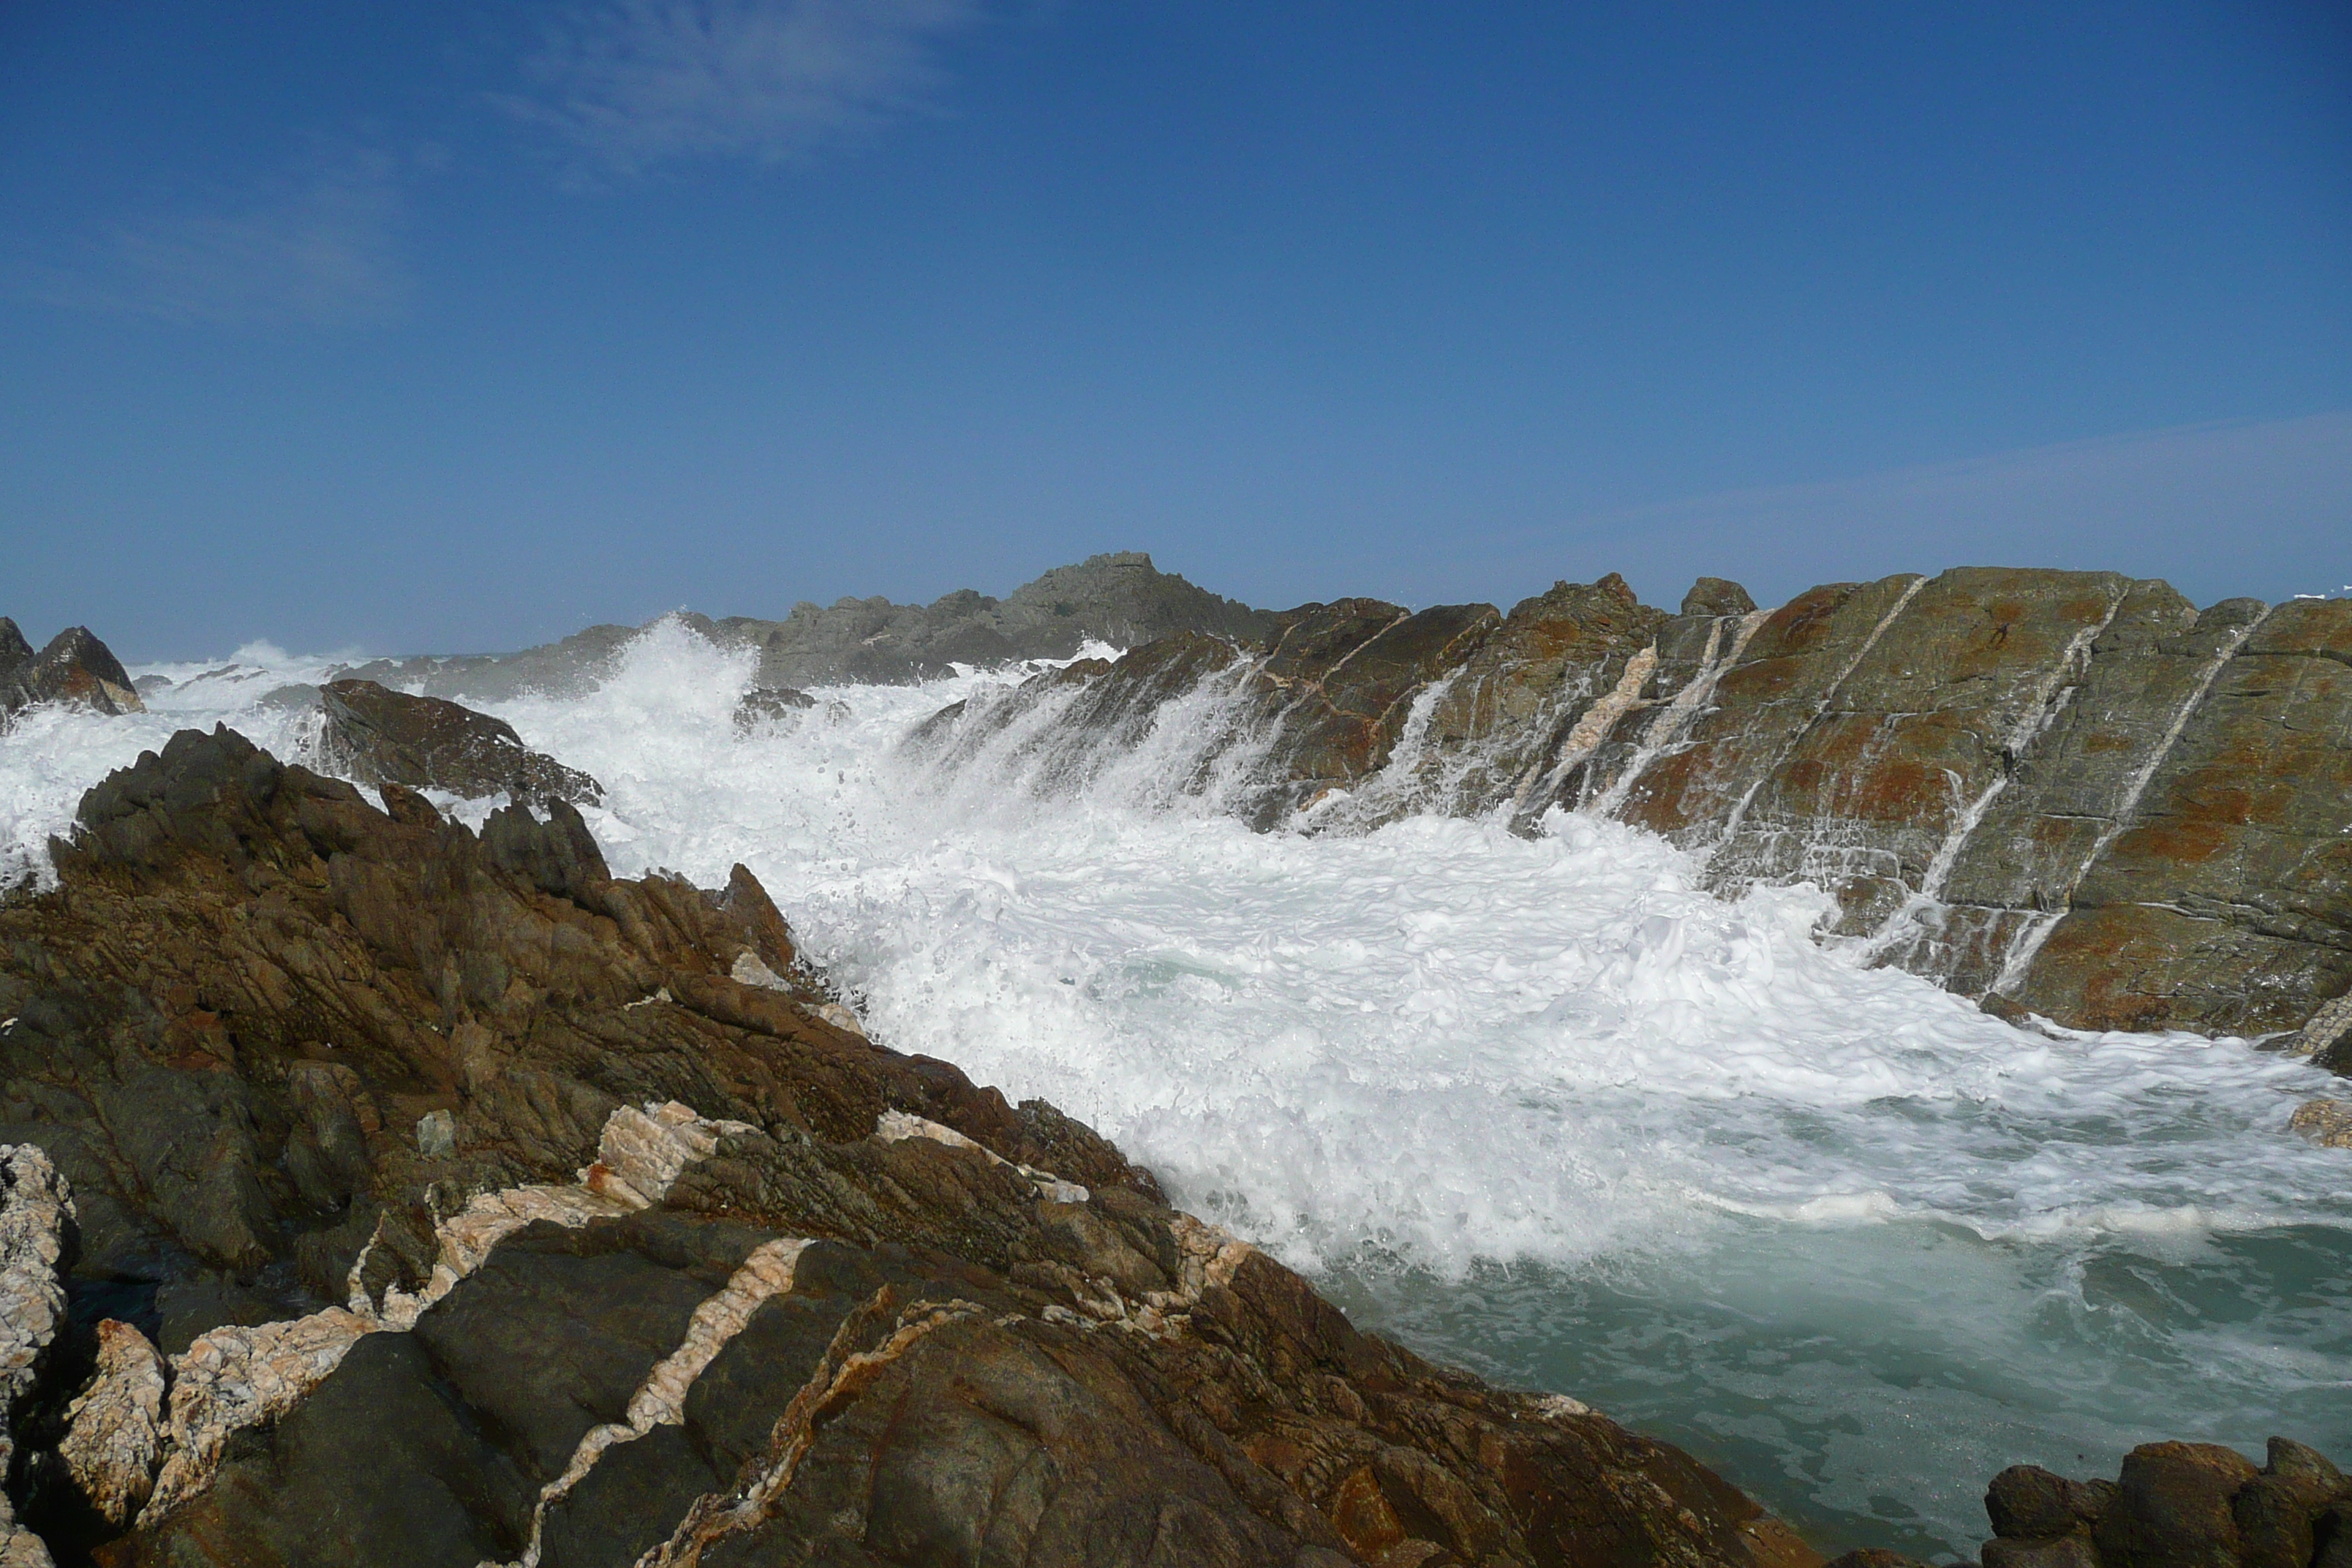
(436, 1197)
(2070, 793)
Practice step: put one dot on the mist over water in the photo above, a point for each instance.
(1541, 1106)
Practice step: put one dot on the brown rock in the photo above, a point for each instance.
(1511, 712)
(2305, 1466)
(2326, 1122)
(2028, 1502)
(75, 668)
(2274, 1516)
(383, 737)
(2073, 1551)
(817, 1298)
(2172, 1509)
(2075, 787)
(1909, 747)
(2227, 904)
(1694, 791)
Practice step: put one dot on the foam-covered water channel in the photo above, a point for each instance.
(1541, 1106)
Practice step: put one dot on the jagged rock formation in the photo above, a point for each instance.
(450, 1201)
(74, 668)
(2066, 793)
(381, 737)
(1121, 599)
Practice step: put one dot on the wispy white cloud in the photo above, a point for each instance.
(640, 82)
(319, 248)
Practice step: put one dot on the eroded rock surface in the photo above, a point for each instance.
(697, 1274)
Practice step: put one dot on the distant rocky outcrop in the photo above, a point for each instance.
(75, 668)
(1120, 599)
(564, 669)
(381, 737)
(2064, 792)
(380, 1193)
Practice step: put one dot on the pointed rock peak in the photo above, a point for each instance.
(76, 668)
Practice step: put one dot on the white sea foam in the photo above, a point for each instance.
(1543, 1102)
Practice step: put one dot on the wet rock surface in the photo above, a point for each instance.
(695, 1276)
(2176, 1505)
(2068, 794)
(74, 668)
(383, 737)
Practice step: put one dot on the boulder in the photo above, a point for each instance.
(1718, 596)
(2026, 1501)
(383, 737)
(75, 668)
(2176, 1504)
(2172, 1507)
(770, 705)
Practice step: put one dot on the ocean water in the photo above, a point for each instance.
(1540, 1107)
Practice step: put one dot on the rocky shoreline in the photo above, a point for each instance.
(374, 1190)
(392, 1193)
(2062, 794)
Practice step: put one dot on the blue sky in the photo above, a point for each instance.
(438, 327)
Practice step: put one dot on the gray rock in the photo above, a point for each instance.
(1120, 599)
(292, 696)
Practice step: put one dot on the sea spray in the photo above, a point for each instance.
(1540, 1103)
